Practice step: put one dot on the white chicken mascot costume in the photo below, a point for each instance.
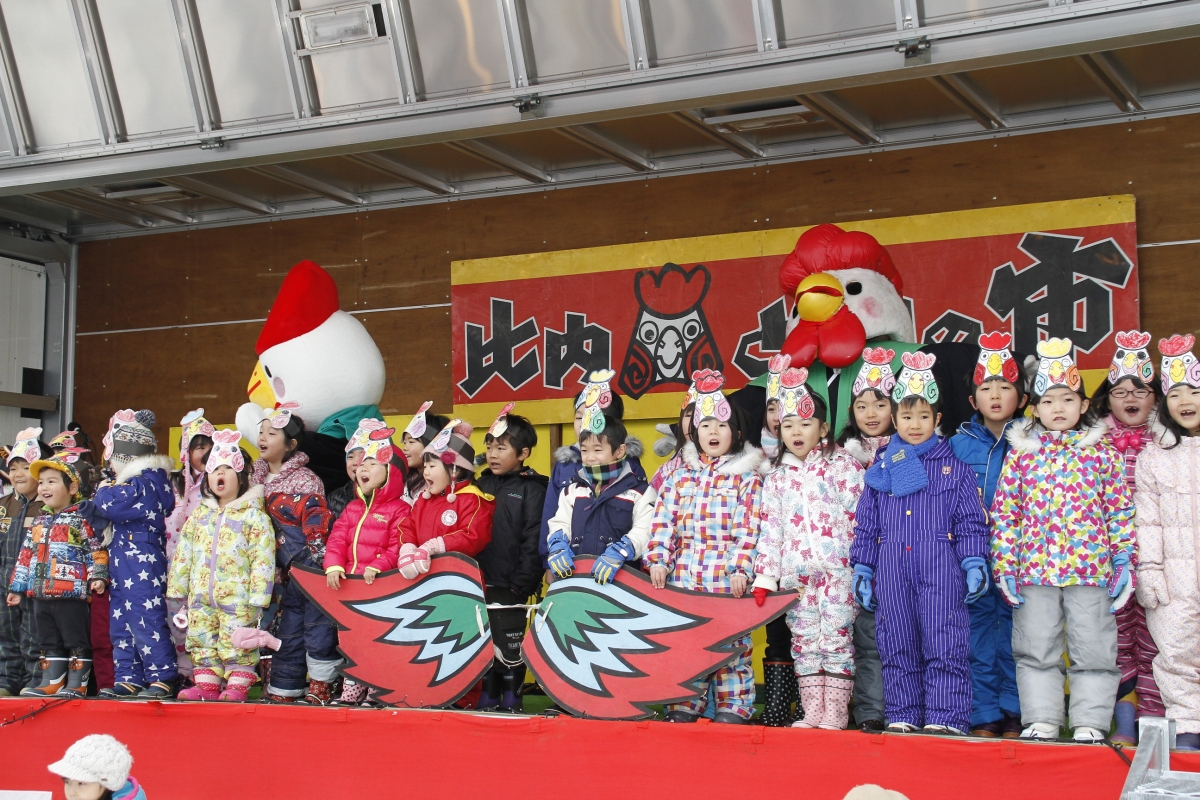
(312, 353)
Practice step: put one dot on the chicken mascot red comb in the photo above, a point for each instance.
(846, 291)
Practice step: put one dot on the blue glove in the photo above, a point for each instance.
(864, 593)
(1120, 586)
(613, 558)
(977, 578)
(561, 560)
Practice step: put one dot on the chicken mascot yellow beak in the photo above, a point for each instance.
(819, 296)
(259, 388)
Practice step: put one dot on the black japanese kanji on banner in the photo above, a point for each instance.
(953, 327)
(583, 345)
(769, 336)
(494, 356)
(1066, 292)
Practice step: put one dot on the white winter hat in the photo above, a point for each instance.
(98, 758)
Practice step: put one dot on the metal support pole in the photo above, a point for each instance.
(94, 54)
(58, 350)
(517, 50)
(768, 24)
(639, 34)
(12, 100)
(195, 65)
(301, 84)
(908, 14)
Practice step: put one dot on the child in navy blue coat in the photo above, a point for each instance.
(604, 511)
(920, 556)
(137, 503)
(998, 398)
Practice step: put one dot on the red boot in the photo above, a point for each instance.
(208, 686)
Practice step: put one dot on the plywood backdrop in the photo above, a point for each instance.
(401, 257)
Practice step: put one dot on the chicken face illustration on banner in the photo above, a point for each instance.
(610, 651)
(671, 336)
(419, 643)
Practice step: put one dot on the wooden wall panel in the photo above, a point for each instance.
(401, 257)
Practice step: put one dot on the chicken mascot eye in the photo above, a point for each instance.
(648, 333)
(691, 329)
(854, 287)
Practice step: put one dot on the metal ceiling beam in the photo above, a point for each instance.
(639, 34)
(1110, 75)
(502, 160)
(295, 177)
(97, 207)
(17, 127)
(19, 247)
(302, 86)
(211, 190)
(201, 94)
(960, 46)
(768, 24)
(970, 98)
(597, 142)
(32, 220)
(518, 52)
(743, 147)
(149, 209)
(93, 52)
(841, 116)
(404, 172)
(406, 59)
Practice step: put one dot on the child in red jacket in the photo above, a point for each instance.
(366, 538)
(452, 515)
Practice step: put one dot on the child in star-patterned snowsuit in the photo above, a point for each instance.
(137, 503)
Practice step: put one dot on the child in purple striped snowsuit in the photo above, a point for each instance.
(919, 556)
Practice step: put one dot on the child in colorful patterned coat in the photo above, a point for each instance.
(366, 538)
(1063, 553)
(221, 574)
(920, 557)
(998, 398)
(295, 499)
(1125, 400)
(137, 502)
(867, 431)
(808, 504)
(703, 534)
(1168, 496)
(61, 562)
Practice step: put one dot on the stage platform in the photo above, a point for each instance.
(204, 750)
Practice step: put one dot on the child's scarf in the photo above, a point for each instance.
(597, 476)
(898, 470)
(770, 444)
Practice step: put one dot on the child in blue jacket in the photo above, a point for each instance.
(137, 502)
(998, 399)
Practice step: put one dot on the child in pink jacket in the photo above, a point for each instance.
(366, 538)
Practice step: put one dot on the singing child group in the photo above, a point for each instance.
(949, 584)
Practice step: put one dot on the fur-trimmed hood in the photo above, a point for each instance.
(855, 447)
(143, 463)
(1026, 437)
(255, 492)
(751, 459)
(570, 454)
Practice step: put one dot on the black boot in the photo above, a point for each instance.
(510, 691)
(779, 679)
(489, 698)
(54, 676)
(78, 672)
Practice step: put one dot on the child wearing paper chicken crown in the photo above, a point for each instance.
(808, 504)
(61, 562)
(703, 533)
(18, 655)
(1063, 553)
(366, 538)
(998, 398)
(451, 515)
(920, 556)
(422, 429)
(1126, 401)
(221, 572)
(1168, 495)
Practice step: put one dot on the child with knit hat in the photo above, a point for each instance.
(18, 655)
(97, 768)
(137, 502)
(62, 561)
(451, 514)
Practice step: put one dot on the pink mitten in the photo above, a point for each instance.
(406, 562)
(253, 639)
(434, 546)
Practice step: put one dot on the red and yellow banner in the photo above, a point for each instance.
(530, 327)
